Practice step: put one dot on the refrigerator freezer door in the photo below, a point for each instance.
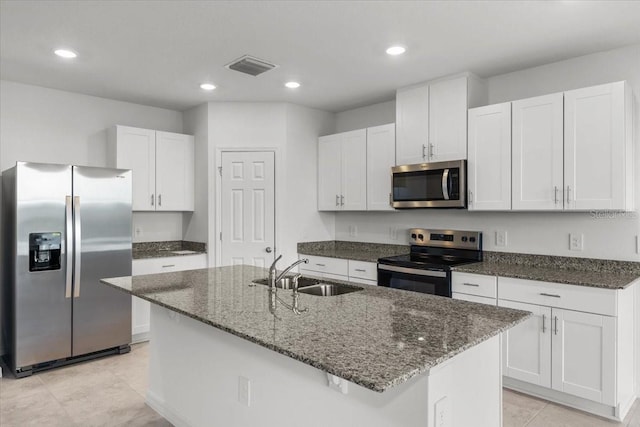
(42, 311)
(101, 315)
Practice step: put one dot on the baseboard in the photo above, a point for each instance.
(161, 408)
(605, 411)
(141, 337)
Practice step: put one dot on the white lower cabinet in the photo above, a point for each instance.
(140, 309)
(362, 272)
(567, 350)
(474, 288)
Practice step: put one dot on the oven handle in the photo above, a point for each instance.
(445, 184)
(412, 271)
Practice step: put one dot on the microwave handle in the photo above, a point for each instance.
(445, 184)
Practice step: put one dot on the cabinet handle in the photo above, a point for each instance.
(320, 265)
(568, 194)
(555, 194)
(555, 329)
(471, 284)
(424, 147)
(544, 320)
(152, 200)
(168, 265)
(337, 200)
(341, 200)
(362, 270)
(549, 295)
(470, 197)
(430, 151)
(159, 199)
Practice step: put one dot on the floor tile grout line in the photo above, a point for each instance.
(46, 386)
(535, 415)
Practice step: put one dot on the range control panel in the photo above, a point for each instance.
(446, 238)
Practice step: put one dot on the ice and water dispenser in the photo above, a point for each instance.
(44, 251)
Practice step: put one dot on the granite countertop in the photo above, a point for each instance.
(144, 250)
(377, 337)
(608, 274)
(357, 251)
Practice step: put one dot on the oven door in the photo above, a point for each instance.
(429, 185)
(410, 279)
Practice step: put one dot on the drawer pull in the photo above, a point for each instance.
(544, 321)
(320, 265)
(549, 295)
(362, 270)
(168, 265)
(555, 330)
(471, 284)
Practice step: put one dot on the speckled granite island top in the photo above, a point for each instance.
(598, 273)
(377, 337)
(146, 250)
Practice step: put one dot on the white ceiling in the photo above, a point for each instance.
(158, 52)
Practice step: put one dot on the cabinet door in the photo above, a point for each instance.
(489, 165)
(175, 172)
(594, 148)
(329, 170)
(473, 298)
(381, 157)
(448, 120)
(538, 153)
(583, 349)
(412, 125)
(353, 196)
(526, 348)
(136, 150)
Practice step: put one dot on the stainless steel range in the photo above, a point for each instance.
(427, 267)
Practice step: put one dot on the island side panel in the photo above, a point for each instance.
(195, 370)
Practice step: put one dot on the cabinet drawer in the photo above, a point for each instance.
(363, 270)
(474, 298)
(572, 297)
(325, 265)
(168, 264)
(474, 284)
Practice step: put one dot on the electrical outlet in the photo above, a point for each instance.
(393, 233)
(244, 391)
(353, 231)
(576, 241)
(501, 238)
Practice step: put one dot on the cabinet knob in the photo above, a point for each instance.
(268, 250)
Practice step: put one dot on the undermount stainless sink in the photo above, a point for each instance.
(287, 282)
(328, 289)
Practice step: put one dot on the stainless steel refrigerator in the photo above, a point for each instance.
(63, 228)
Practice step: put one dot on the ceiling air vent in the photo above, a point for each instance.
(250, 65)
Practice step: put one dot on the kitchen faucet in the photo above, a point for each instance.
(275, 278)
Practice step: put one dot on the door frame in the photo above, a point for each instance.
(218, 197)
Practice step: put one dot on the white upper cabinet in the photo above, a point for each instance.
(448, 120)
(342, 171)
(162, 165)
(175, 158)
(431, 119)
(381, 156)
(537, 153)
(412, 125)
(597, 148)
(489, 163)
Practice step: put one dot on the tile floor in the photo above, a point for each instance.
(110, 392)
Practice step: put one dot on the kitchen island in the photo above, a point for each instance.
(220, 355)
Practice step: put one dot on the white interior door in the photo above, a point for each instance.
(248, 208)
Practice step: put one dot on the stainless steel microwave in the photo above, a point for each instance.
(429, 185)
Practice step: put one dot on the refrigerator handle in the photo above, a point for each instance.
(76, 246)
(68, 244)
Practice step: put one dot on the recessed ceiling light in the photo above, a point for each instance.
(65, 53)
(292, 85)
(207, 86)
(396, 50)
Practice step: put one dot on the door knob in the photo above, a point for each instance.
(268, 250)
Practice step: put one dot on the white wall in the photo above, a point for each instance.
(364, 117)
(611, 237)
(292, 131)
